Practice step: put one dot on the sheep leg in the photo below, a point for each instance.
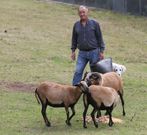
(84, 116)
(43, 111)
(73, 113)
(67, 114)
(110, 116)
(86, 105)
(98, 114)
(122, 102)
(93, 117)
(106, 113)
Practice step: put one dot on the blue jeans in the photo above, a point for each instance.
(84, 57)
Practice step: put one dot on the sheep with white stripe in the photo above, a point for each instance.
(101, 98)
(110, 79)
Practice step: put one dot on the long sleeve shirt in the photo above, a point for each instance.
(87, 37)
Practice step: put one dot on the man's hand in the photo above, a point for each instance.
(101, 55)
(73, 56)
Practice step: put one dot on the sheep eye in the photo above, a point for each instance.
(90, 77)
(94, 76)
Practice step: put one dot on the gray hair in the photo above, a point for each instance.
(83, 7)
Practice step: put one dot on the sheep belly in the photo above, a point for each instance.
(56, 105)
(55, 99)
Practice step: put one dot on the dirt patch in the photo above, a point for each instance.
(18, 86)
(103, 119)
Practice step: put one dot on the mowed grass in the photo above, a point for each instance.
(35, 40)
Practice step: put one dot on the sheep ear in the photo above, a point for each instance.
(123, 68)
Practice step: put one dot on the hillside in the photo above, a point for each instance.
(35, 38)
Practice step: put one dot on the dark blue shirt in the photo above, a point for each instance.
(87, 37)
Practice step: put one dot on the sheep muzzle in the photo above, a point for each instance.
(83, 86)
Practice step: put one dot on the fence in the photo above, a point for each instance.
(132, 6)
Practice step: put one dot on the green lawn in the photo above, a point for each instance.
(35, 42)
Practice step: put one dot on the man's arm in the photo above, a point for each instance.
(73, 44)
(74, 40)
(99, 37)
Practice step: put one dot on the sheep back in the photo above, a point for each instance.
(57, 93)
(105, 95)
(112, 80)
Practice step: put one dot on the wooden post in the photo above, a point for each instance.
(125, 6)
(140, 7)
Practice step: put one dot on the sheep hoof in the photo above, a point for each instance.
(68, 123)
(98, 115)
(96, 125)
(110, 124)
(124, 113)
(48, 124)
(84, 126)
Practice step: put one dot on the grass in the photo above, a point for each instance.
(35, 46)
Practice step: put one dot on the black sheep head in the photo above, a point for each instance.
(93, 78)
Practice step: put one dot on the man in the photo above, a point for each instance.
(87, 37)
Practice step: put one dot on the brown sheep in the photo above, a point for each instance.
(110, 79)
(58, 95)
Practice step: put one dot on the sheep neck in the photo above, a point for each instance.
(77, 93)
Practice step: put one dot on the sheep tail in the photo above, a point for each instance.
(120, 92)
(36, 95)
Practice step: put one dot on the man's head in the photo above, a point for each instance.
(83, 13)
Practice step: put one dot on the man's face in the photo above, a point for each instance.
(83, 13)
